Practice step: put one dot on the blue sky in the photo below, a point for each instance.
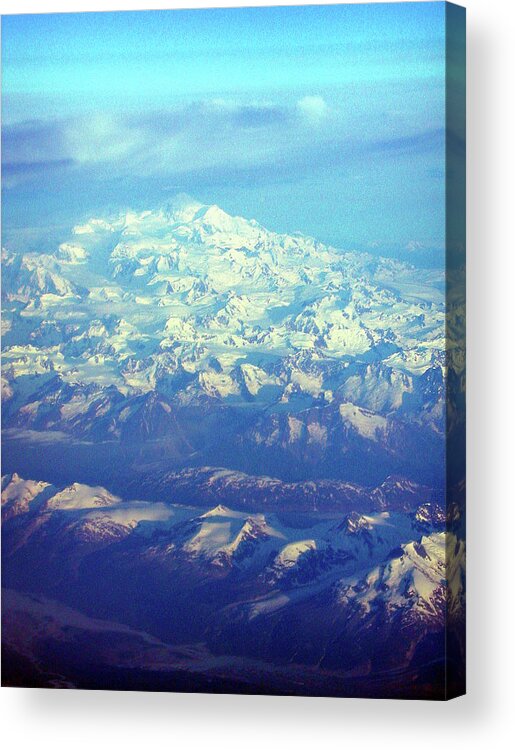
(325, 119)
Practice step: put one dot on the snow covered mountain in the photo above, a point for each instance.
(234, 345)
(269, 416)
(352, 593)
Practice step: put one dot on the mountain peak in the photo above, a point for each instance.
(182, 208)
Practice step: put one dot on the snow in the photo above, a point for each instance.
(72, 253)
(16, 489)
(290, 554)
(358, 560)
(80, 496)
(192, 283)
(412, 581)
(367, 424)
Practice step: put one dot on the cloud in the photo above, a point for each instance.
(313, 108)
(33, 141)
(209, 141)
(20, 168)
(200, 135)
(258, 116)
(426, 140)
(100, 138)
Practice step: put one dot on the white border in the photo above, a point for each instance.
(54, 719)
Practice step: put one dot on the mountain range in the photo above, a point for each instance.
(227, 345)
(236, 451)
(354, 598)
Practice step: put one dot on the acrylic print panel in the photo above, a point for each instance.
(233, 350)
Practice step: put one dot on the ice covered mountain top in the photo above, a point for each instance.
(277, 552)
(231, 344)
(200, 304)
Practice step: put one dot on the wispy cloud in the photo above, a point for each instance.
(314, 108)
(207, 139)
(203, 134)
(21, 169)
